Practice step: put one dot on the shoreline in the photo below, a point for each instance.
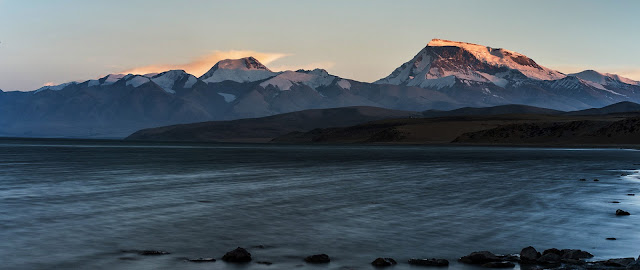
(528, 258)
(267, 141)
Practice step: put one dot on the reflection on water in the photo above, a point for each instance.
(76, 204)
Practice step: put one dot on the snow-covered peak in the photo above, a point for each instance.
(112, 78)
(55, 87)
(312, 78)
(247, 63)
(136, 80)
(171, 79)
(467, 61)
(246, 69)
(603, 78)
(502, 58)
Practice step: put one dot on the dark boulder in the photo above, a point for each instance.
(611, 238)
(621, 212)
(318, 258)
(549, 259)
(620, 262)
(383, 262)
(529, 254)
(264, 262)
(499, 265)
(479, 257)
(575, 254)
(238, 255)
(554, 251)
(429, 262)
(634, 265)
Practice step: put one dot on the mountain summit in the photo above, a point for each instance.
(443, 61)
(246, 69)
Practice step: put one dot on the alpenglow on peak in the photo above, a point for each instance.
(441, 62)
(246, 69)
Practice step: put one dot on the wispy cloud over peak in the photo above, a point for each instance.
(203, 63)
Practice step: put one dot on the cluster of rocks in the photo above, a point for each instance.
(549, 259)
(557, 259)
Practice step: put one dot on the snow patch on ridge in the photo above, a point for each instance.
(438, 83)
(344, 84)
(137, 80)
(113, 78)
(313, 79)
(228, 97)
(190, 82)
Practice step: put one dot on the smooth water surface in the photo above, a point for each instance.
(77, 204)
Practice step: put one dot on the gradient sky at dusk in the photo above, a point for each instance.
(55, 41)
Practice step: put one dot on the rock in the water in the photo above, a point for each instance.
(582, 179)
(529, 254)
(384, 262)
(318, 258)
(596, 180)
(238, 255)
(611, 238)
(631, 194)
(153, 252)
(499, 265)
(554, 251)
(198, 260)
(479, 257)
(429, 262)
(575, 254)
(550, 259)
(621, 212)
(620, 262)
(265, 263)
(634, 265)
(615, 202)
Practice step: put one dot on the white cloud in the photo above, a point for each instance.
(310, 66)
(202, 64)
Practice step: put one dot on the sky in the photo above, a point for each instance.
(45, 42)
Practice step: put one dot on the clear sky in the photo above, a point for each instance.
(55, 41)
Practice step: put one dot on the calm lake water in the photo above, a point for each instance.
(77, 204)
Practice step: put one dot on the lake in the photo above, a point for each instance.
(76, 204)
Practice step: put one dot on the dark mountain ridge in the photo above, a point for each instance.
(266, 128)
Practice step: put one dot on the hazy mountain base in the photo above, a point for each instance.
(582, 132)
(498, 129)
(267, 128)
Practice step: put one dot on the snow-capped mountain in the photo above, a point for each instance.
(604, 79)
(312, 78)
(246, 69)
(443, 75)
(479, 74)
(443, 61)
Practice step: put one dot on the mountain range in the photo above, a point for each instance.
(444, 75)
